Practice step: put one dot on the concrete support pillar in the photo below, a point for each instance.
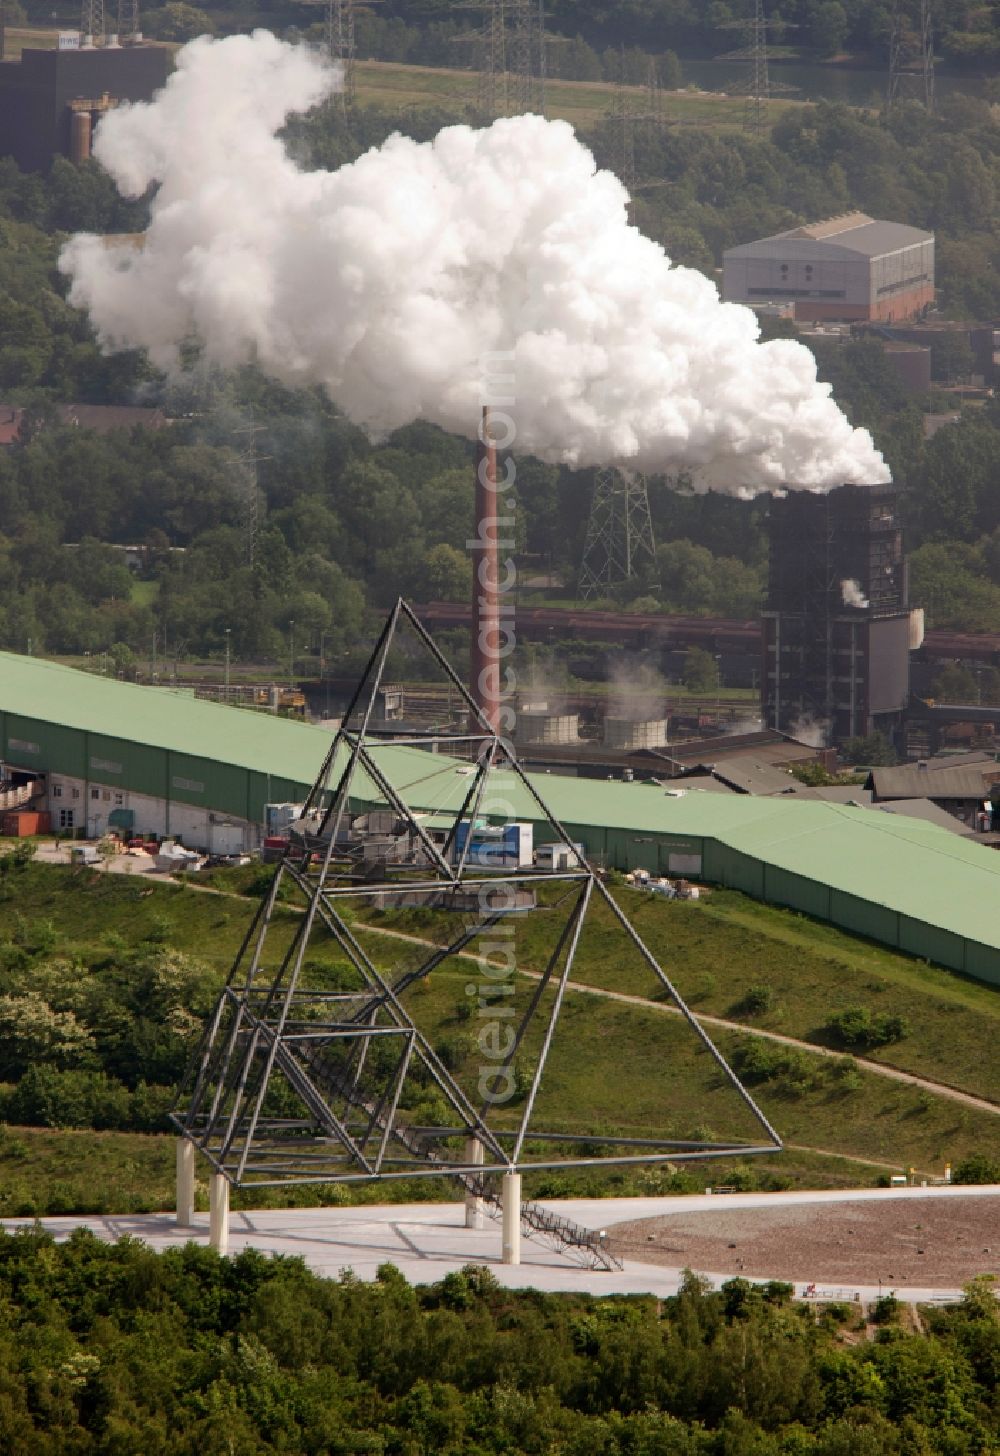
(185, 1183)
(218, 1213)
(475, 1209)
(512, 1218)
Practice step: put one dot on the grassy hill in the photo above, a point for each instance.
(633, 1068)
(399, 88)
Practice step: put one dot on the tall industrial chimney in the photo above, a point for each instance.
(484, 656)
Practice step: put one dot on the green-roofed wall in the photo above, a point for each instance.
(905, 884)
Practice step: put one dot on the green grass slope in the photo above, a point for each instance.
(630, 1068)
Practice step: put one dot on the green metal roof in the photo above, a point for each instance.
(160, 718)
(915, 869)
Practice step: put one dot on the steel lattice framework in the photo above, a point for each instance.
(911, 59)
(758, 87)
(92, 20)
(619, 541)
(341, 47)
(300, 1080)
(513, 67)
(128, 19)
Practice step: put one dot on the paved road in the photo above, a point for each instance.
(428, 1240)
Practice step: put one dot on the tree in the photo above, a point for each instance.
(178, 22)
(444, 575)
(122, 657)
(954, 684)
(701, 671)
(874, 750)
(829, 27)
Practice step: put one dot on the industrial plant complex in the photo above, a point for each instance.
(357, 894)
(838, 629)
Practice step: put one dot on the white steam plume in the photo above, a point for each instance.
(388, 281)
(852, 594)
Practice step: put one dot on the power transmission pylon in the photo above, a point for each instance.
(247, 464)
(624, 124)
(911, 59)
(512, 72)
(493, 91)
(340, 46)
(128, 19)
(927, 52)
(522, 70)
(619, 533)
(92, 20)
(758, 88)
(543, 64)
(655, 108)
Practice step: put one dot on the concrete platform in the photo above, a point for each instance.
(425, 1241)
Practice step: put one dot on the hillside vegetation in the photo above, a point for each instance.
(105, 981)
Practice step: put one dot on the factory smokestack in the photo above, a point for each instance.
(484, 656)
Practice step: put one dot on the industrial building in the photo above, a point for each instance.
(148, 760)
(837, 627)
(162, 762)
(846, 268)
(50, 100)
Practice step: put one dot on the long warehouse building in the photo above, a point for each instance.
(165, 763)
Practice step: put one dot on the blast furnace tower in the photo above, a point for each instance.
(836, 626)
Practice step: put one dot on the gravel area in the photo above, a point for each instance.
(936, 1243)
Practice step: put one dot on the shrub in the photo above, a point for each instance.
(886, 1310)
(977, 1168)
(47, 1097)
(847, 1074)
(856, 1026)
(757, 1000)
(761, 1062)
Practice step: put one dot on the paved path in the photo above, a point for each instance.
(428, 1240)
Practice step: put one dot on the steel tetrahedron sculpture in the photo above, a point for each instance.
(403, 1003)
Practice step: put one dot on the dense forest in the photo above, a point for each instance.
(117, 1349)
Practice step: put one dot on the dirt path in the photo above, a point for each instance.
(878, 1068)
